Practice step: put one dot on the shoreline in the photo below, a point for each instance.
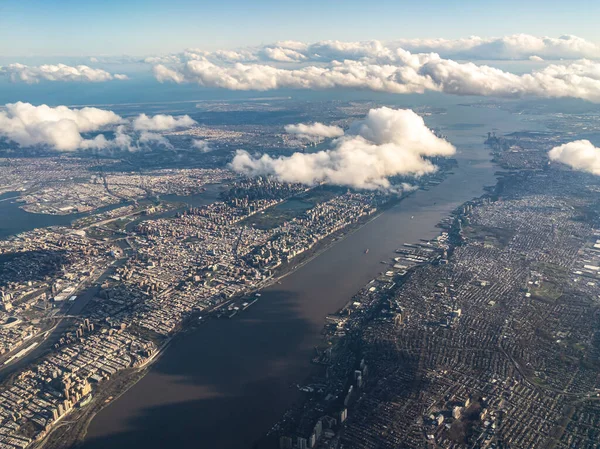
(454, 241)
(130, 379)
(131, 382)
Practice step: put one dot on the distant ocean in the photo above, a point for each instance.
(142, 89)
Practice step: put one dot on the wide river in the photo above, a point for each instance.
(225, 384)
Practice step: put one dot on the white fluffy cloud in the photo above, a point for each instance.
(388, 142)
(416, 73)
(349, 74)
(328, 51)
(166, 59)
(580, 155)
(516, 46)
(404, 66)
(202, 145)
(513, 47)
(280, 54)
(314, 130)
(58, 127)
(161, 122)
(163, 73)
(148, 137)
(58, 72)
(63, 129)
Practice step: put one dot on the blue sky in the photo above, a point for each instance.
(143, 27)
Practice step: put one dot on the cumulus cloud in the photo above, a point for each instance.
(163, 73)
(339, 50)
(161, 122)
(59, 128)
(516, 46)
(416, 73)
(166, 59)
(580, 155)
(223, 56)
(226, 55)
(122, 139)
(403, 66)
(349, 74)
(58, 72)
(64, 129)
(513, 47)
(280, 54)
(388, 142)
(148, 137)
(202, 145)
(314, 130)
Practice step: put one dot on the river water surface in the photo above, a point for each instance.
(225, 384)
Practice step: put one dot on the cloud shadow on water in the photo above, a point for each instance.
(221, 386)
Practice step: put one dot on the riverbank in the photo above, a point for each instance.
(340, 356)
(209, 375)
(80, 418)
(212, 374)
(122, 382)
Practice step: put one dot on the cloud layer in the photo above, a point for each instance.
(161, 122)
(513, 47)
(59, 128)
(63, 129)
(314, 130)
(58, 72)
(580, 155)
(411, 73)
(388, 142)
